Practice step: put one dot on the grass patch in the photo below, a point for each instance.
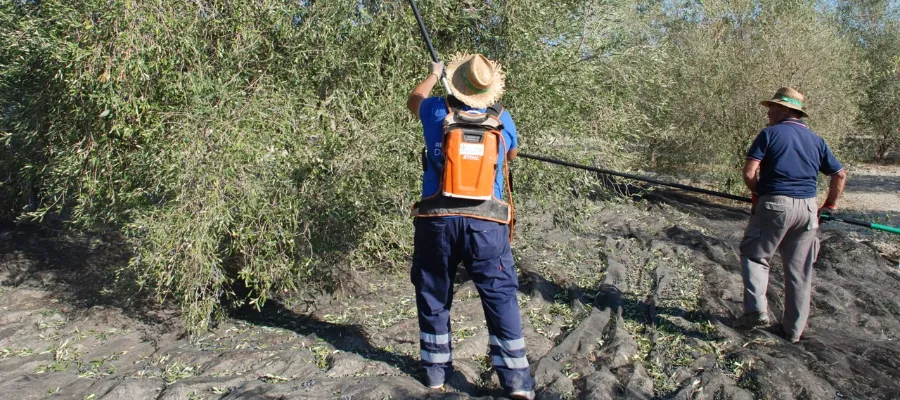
(99, 368)
(7, 352)
(177, 371)
(63, 355)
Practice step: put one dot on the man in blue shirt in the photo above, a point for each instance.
(474, 232)
(781, 171)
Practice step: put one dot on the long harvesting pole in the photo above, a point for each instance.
(866, 224)
(434, 58)
(851, 221)
(427, 38)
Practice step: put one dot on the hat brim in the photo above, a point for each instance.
(767, 103)
(468, 95)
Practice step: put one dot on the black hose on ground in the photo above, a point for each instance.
(867, 224)
(635, 177)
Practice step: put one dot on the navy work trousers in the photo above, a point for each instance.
(483, 248)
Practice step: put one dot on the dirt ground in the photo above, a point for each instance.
(872, 194)
(619, 299)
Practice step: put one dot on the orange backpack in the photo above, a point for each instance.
(471, 148)
(471, 151)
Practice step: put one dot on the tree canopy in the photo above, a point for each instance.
(265, 144)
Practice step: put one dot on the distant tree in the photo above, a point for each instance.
(874, 25)
(718, 59)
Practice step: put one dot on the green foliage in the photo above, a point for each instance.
(258, 148)
(235, 142)
(875, 27)
(716, 60)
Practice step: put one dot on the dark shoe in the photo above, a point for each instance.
(778, 330)
(459, 382)
(792, 339)
(752, 320)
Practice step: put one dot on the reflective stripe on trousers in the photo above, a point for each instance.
(483, 248)
(508, 353)
(435, 348)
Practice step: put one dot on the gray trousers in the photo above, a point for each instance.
(788, 225)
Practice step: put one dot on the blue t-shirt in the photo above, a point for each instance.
(791, 156)
(432, 113)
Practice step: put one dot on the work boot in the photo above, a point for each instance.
(790, 337)
(459, 382)
(522, 395)
(778, 330)
(752, 320)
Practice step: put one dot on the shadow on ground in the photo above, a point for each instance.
(347, 338)
(637, 303)
(81, 271)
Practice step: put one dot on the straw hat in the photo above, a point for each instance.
(789, 98)
(475, 80)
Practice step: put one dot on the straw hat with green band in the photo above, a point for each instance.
(475, 80)
(789, 98)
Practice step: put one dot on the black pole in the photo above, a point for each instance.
(434, 58)
(424, 31)
(866, 224)
(636, 177)
(427, 38)
(851, 221)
